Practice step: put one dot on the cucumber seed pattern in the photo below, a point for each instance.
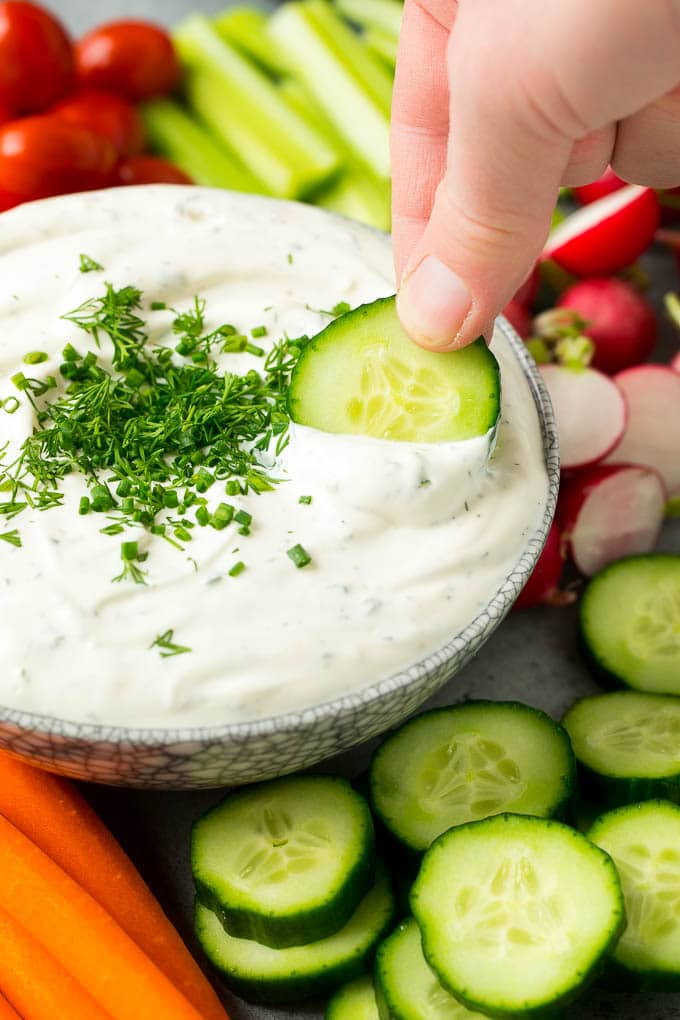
(656, 625)
(442, 1006)
(512, 910)
(395, 399)
(472, 777)
(281, 847)
(651, 891)
(657, 734)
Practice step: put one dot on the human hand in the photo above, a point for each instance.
(537, 94)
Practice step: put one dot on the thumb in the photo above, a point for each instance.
(519, 99)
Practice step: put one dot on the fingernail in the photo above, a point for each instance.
(433, 303)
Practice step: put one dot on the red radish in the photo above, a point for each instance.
(542, 586)
(610, 511)
(519, 317)
(527, 292)
(652, 435)
(608, 235)
(8, 200)
(590, 410)
(620, 322)
(607, 184)
(675, 362)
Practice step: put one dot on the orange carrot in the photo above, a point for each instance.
(82, 936)
(35, 983)
(51, 812)
(6, 1011)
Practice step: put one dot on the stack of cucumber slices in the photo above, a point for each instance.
(509, 910)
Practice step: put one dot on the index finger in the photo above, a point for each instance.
(420, 120)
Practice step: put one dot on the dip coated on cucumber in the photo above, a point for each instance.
(644, 842)
(263, 974)
(460, 764)
(516, 913)
(630, 622)
(287, 861)
(627, 745)
(362, 375)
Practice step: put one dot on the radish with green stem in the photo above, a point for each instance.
(610, 511)
(619, 321)
(590, 410)
(607, 235)
(652, 435)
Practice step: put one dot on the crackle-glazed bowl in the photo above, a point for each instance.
(211, 756)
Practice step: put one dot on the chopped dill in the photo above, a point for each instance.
(167, 647)
(11, 537)
(88, 265)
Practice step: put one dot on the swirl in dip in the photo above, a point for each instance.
(408, 542)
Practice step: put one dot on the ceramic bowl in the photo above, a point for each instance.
(229, 754)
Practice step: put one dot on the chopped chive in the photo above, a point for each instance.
(253, 349)
(243, 517)
(306, 500)
(244, 530)
(232, 488)
(299, 555)
(13, 538)
(19, 380)
(35, 357)
(170, 499)
(10, 404)
(129, 550)
(203, 516)
(158, 306)
(167, 647)
(88, 265)
(237, 569)
(182, 534)
(258, 332)
(290, 258)
(84, 506)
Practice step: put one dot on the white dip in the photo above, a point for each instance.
(398, 567)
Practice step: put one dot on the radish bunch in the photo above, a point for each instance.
(618, 416)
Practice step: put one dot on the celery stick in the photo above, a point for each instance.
(384, 15)
(246, 29)
(360, 196)
(241, 105)
(352, 87)
(357, 193)
(173, 133)
(382, 44)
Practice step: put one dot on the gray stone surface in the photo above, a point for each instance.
(532, 657)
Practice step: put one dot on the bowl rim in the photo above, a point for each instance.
(48, 726)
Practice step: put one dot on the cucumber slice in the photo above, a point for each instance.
(262, 974)
(406, 987)
(287, 861)
(627, 745)
(354, 1001)
(516, 913)
(644, 842)
(459, 764)
(630, 622)
(362, 375)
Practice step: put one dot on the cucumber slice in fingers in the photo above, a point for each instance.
(516, 913)
(406, 986)
(263, 974)
(644, 842)
(362, 375)
(627, 745)
(459, 764)
(630, 622)
(287, 861)
(354, 1001)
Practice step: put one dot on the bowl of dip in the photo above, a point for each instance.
(417, 550)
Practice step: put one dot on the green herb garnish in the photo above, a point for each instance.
(12, 537)
(237, 569)
(88, 265)
(35, 357)
(167, 646)
(299, 555)
(305, 500)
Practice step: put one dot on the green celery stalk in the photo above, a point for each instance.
(352, 87)
(242, 107)
(176, 135)
(357, 193)
(246, 29)
(384, 15)
(383, 45)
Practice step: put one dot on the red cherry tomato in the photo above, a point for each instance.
(134, 59)
(150, 170)
(108, 115)
(44, 155)
(36, 58)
